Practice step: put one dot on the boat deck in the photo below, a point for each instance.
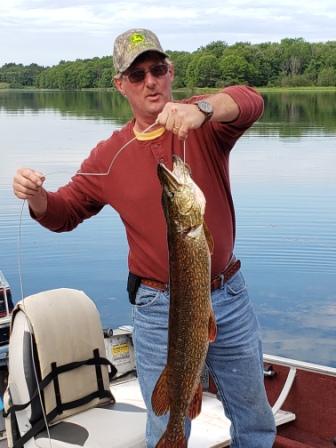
(211, 429)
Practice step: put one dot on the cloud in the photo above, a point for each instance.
(79, 28)
(304, 332)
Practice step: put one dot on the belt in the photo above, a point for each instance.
(217, 282)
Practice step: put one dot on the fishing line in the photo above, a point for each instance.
(116, 155)
(19, 262)
(106, 173)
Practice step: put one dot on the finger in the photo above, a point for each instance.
(23, 195)
(183, 131)
(34, 176)
(159, 119)
(23, 192)
(25, 188)
(39, 178)
(24, 184)
(163, 115)
(178, 124)
(29, 178)
(183, 135)
(172, 119)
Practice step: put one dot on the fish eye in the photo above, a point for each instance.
(169, 194)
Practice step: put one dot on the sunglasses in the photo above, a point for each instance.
(139, 74)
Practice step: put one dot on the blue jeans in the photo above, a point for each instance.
(234, 361)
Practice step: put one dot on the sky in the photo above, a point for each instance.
(48, 31)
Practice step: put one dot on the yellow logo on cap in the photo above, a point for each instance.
(137, 38)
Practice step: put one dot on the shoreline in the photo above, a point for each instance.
(199, 90)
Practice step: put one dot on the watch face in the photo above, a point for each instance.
(205, 107)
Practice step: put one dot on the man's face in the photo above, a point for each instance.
(147, 96)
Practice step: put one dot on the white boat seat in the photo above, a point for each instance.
(65, 329)
(119, 426)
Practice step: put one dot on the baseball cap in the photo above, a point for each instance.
(131, 44)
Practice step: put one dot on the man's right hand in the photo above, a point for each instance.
(27, 184)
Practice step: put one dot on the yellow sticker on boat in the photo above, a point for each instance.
(120, 349)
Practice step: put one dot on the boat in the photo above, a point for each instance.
(6, 307)
(302, 395)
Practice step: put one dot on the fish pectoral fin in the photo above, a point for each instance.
(160, 396)
(194, 232)
(209, 238)
(196, 403)
(212, 327)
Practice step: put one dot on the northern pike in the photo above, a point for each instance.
(191, 320)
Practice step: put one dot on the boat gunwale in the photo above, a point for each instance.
(300, 365)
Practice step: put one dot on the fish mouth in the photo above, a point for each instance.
(176, 178)
(168, 178)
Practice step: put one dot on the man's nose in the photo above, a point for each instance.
(150, 79)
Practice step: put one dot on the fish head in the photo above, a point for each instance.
(183, 201)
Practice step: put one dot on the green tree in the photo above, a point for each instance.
(181, 60)
(295, 56)
(292, 62)
(235, 70)
(216, 48)
(106, 78)
(191, 72)
(207, 71)
(327, 77)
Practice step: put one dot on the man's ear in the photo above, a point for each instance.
(119, 85)
(171, 72)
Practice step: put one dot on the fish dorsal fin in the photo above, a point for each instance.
(209, 238)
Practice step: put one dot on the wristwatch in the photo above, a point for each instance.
(206, 108)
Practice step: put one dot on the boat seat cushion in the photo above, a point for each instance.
(64, 326)
(58, 329)
(93, 429)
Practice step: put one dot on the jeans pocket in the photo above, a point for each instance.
(236, 285)
(146, 296)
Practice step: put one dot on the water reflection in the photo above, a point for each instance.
(291, 114)
(86, 104)
(297, 113)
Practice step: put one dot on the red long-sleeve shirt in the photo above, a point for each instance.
(133, 189)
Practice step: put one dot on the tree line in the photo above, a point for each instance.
(289, 63)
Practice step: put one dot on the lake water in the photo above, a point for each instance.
(284, 188)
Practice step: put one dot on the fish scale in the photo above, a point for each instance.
(191, 320)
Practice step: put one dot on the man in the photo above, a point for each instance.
(210, 127)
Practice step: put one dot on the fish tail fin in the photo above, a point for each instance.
(160, 396)
(212, 327)
(179, 442)
(196, 403)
